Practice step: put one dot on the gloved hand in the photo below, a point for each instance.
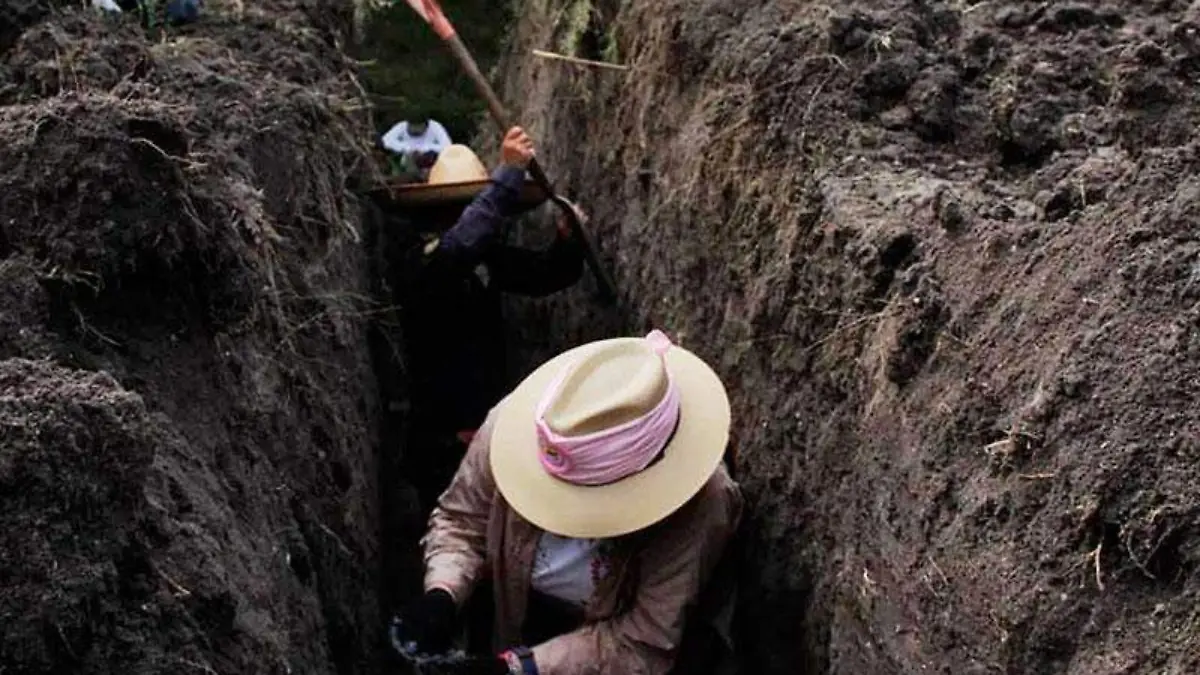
(426, 625)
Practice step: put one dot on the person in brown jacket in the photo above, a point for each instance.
(596, 500)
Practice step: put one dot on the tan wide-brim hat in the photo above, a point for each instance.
(689, 459)
(458, 175)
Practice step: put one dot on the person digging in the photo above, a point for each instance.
(455, 273)
(596, 500)
(414, 146)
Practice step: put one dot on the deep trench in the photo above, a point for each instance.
(414, 463)
(1017, 497)
(410, 479)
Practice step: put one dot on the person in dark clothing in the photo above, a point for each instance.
(451, 295)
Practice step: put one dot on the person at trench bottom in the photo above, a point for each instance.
(596, 500)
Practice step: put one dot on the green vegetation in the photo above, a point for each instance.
(411, 74)
(582, 29)
(578, 16)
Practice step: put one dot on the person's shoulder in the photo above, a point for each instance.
(439, 131)
(722, 489)
(483, 435)
(719, 500)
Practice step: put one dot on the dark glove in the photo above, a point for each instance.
(426, 625)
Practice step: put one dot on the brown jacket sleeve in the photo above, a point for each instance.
(456, 544)
(672, 571)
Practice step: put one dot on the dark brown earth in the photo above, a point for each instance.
(947, 257)
(189, 422)
(945, 254)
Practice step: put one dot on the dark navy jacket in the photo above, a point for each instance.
(454, 327)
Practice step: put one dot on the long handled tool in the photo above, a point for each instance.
(431, 12)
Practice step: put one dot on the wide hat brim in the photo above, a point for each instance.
(629, 505)
(426, 194)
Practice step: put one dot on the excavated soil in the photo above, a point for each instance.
(188, 415)
(946, 256)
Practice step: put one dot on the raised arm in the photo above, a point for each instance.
(465, 244)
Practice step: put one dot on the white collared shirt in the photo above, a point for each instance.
(568, 569)
(400, 141)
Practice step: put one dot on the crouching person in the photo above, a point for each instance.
(595, 500)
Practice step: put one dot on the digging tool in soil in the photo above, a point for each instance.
(432, 13)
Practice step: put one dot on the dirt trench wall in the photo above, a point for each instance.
(188, 415)
(947, 258)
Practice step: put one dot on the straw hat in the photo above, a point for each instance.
(599, 387)
(457, 176)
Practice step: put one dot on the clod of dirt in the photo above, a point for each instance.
(983, 51)
(896, 119)
(915, 339)
(24, 306)
(1030, 134)
(949, 212)
(847, 33)
(70, 53)
(1073, 17)
(1150, 54)
(934, 101)
(1070, 197)
(15, 15)
(889, 79)
(1012, 16)
(1185, 35)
